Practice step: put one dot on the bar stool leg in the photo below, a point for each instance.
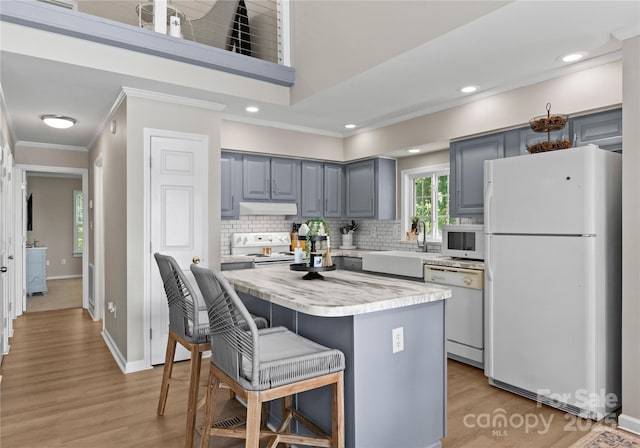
(337, 413)
(166, 373)
(209, 414)
(194, 384)
(254, 408)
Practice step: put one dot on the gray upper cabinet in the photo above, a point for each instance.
(370, 189)
(231, 184)
(603, 129)
(285, 179)
(333, 190)
(256, 177)
(267, 178)
(311, 202)
(467, 172)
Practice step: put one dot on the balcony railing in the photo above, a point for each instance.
(249, 27)
(247, 38)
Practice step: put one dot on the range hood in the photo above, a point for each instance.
(268, 208)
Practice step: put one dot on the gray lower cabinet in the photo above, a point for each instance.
(370, 189)
(270, 178)
(603, 129)
(348, 263)
(312, 200)
(466, 181)
(36, 267)
(231, 184)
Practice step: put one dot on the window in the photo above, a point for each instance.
(426, 196)
(78, 222)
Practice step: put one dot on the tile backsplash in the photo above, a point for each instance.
(372, 234)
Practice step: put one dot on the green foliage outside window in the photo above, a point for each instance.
(78, 215)
(431, 203)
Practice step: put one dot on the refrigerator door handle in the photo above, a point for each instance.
(488, 196)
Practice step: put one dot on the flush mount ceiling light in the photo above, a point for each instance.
(252, 109)
(58, 121)
(573, 57)
(412, 150)
(350, 126)
(469, 89)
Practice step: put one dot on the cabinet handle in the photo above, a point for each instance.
(232, 204)
(575, 139)
(275, 187)
(267, 185)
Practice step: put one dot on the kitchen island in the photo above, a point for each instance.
(391, 399)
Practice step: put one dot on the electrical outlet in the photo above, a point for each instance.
(111, 307)
(63, 261)
(397, 339)
(47, 263)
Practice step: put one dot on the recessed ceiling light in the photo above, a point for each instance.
(350, 126)
(58, 121)
(413, 150)
(469, 89)
(252, 109)
(572, 57)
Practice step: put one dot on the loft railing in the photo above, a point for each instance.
(255, 28)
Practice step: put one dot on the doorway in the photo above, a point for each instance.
(62, 245)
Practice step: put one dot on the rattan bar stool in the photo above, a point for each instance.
(264, 365)
(189, 326)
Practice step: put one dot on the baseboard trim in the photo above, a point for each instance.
(113, 348)
(628, 423)
(64, 277)
(125, 367)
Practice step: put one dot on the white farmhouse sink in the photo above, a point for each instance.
(397, 262)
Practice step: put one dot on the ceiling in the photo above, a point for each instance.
(509, 47)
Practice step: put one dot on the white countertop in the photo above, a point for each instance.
(441, 260)
(429, 258)
(342, 293)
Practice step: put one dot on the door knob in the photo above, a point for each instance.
(3, 269)
(196, 259)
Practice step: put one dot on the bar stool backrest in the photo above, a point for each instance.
(233, 331)
(184, 317)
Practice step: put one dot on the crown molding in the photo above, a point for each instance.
(37, 145)
(280, 125)
(166, 98)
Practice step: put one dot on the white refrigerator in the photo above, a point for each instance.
(553, 278)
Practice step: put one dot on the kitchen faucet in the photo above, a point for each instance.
(422, 247)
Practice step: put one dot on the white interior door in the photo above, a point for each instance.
(5, 273)
(98, 241)
(178, 220)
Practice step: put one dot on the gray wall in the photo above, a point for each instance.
(113, 148)
(53, 222)
(630, 417)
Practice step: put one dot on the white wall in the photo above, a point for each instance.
(588, 90)
(266, 140)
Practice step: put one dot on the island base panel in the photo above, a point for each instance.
(391, 399)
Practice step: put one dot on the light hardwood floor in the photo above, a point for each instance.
(62, 388)
(62, 294)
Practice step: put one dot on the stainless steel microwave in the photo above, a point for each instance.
(463, 241)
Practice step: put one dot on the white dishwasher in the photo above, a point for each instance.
(464, 311)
